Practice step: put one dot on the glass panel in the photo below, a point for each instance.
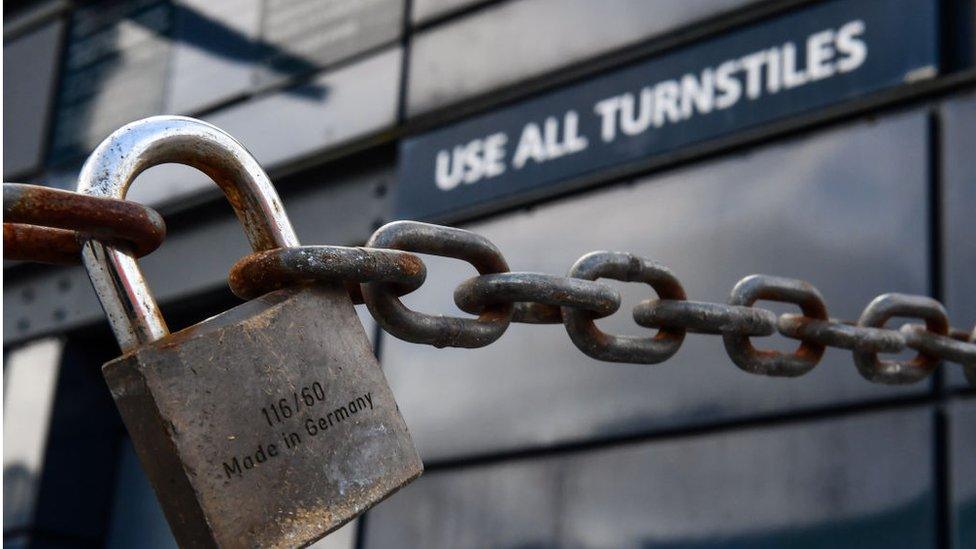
(863, 481)
(518, 40)
(334, 108)
(959, 203)
(214, 52)
(114, 72)
(962, 479)
(301, 36)
(422, 10)
(30, 66)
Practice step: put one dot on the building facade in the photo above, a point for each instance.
(827, 140)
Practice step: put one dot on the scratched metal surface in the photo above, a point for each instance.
(226, 474)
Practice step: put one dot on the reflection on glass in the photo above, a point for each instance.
(820, 484)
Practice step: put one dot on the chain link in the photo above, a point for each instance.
(269, 270)
(50, 225)
(538, 298)
(839, 334)
(876, 314)
(437, 330)
(620, 348)
(774, 363)
(699, 317)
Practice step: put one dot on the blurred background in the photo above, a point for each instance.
(825, 140)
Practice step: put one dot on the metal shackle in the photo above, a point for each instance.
(121, 287)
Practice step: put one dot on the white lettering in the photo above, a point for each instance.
(478, 159)
(698, 94)
(666, 102)
(853, 50)
(495, 154)
(753, 64)
(772, 70)
(791, 78)
(446, 177)
(729, 87)
(820, 54)
(630, 123)
(607, 109)
(473, 168)
(530, 146)
(571, 137)
(554, 148)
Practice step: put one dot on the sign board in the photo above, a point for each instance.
(793, 63)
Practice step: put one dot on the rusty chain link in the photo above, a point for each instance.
(270, 270)
(699, 317)
(912, 306)
(387, 268)
(538, 298)
(774, 363)
(437, 330)
(51, 225)
(619, 348)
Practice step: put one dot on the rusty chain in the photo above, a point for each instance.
(387, 268)
(499, 297)
(50, 225)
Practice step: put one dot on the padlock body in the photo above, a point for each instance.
(269, 425)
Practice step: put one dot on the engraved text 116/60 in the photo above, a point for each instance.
(312, 426)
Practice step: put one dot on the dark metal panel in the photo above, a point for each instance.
(82, 448)
(333, 109)
(339, 208)
(17, 542)
(513, 41)
(30, 65)
(864, 481)
(214, 52)
(854, 196)
(959, 223)
(114, 72)
(301, 36)
(962, 477)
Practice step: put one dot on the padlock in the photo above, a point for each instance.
(269, 425)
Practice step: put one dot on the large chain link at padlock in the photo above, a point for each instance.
(270, 424)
